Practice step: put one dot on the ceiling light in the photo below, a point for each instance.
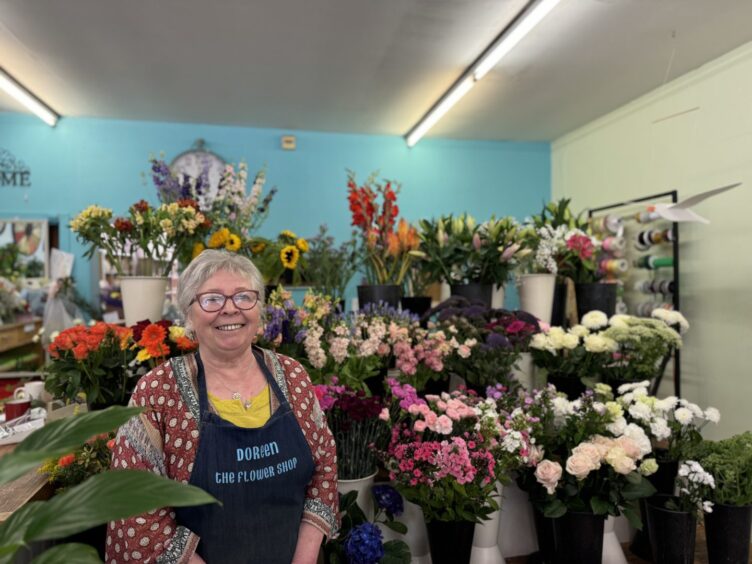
(11, 86)
(503, 44)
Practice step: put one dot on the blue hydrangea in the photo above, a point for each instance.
(363, 545)
(388, 499)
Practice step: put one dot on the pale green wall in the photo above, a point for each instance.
(635, 152)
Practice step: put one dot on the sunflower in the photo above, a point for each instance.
(233, 243)
(289, 256)
(218, 238)
(302, 244)
(287, 234)
(198, 248)
(257, 248)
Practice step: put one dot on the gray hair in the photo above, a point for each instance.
(206, 265)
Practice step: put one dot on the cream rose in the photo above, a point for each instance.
(591, 451)
(630, 447)
(548, 474)
(619, 461)
(579, 466)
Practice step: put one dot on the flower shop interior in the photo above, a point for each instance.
(502, 238)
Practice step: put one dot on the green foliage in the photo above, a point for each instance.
(558, 214)
(330, 268)
(448, 500)
(100, 499)
(730, 463)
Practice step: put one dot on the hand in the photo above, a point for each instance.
(196, 559)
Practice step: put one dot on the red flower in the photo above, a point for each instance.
(185, 344)
(582, 245)
(141, 206)
(80, 351)
(188, 203)
(66, 460)
(123, 225)
(111, 444)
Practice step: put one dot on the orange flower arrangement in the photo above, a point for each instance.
(156, 342)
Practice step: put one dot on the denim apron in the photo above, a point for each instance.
(260, 476)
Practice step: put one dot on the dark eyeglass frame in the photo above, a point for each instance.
(197, 299)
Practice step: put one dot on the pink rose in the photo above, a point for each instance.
(548, 474)
(591, 451)
(631, 448)
(419, 426)
(579, 466)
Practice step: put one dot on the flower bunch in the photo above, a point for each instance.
(156, 342)
(435, 449)
(11, 301)
(577, 260)
(549, 246)
(93, 360)
(284, 255)
(730, 463)
(387, 246)
(173, 187)
(331, 267)
(671, 318)
(461, 250)
(694, 486)
(674, 424)
(93, 457)
(353, 419)
(420, 355)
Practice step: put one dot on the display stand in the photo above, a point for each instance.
(647, 265)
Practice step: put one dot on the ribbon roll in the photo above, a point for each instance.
(608, 224)
(613, 244)
(653, 262)
(614, 266)
(646, 216)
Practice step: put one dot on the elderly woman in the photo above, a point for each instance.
(240, 422)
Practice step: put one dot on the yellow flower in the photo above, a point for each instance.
(258, 247)
(288, 234)
(302, 244)
(198, 248)
(218, 238)
(289, 256)
(176, 331)
(232, 243)
(143, 355)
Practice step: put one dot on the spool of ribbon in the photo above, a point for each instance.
(614, 266)
(655, 286)
(646, 308)
(609, 223)
(653, 262)
(614, 244)
(648, 216)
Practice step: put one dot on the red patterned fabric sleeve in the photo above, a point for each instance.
(322, 500)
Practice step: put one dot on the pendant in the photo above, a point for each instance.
(247, 404)
(236, 396)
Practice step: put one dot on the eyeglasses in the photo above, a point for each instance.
(212, 302)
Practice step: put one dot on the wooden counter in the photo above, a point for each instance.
(29, 487)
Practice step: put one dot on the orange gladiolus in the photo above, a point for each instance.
(393, 244)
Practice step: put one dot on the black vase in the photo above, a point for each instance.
(595, 296)
(378, 293)
(450, 542)
(663, 481)
(544, 531)
(579, 538)
(436, 387)
(417, 305)
(727, 530)
(475, 293)
(558, 311)
(570, 385)
(672, 533)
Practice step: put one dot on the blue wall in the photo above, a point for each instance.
(85, 161)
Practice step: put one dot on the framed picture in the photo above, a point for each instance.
(31, 237)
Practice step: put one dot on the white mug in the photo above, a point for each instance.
(30, 390)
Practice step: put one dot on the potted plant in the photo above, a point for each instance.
(330, 268)
(439, 460)
(416, 299)
(100, 498)
(472, 257)
(727, 527)
(672, 519)
(280, 260)
(387, 247)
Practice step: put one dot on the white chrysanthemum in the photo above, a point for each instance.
(617, 427)
(693, 407)
(660, 429)
(638, 435)
(666, 404)
(619, 320)
(594, 320)
(624, 388)
(683, 416)
(579, 330)
(640, 411)
(539, 341)
(712, 415)
(569, 341)
(562, 406)
(599, 344)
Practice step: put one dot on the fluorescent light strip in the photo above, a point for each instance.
(488, 60)
(27, 99)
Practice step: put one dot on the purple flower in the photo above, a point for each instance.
(363, 544)
(497, 341)
(388, 499)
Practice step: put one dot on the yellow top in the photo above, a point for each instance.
(234, 410)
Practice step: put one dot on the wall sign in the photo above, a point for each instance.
(13, 172)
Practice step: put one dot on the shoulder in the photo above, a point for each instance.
(155, 386)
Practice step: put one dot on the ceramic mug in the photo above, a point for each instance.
(15, 408)
(30, 390)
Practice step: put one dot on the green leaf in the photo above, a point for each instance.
(599, 506)
(116, 494)
(638, 490)
(396, 526)
(396, 552)
(632, 514)
(67, 553)
(60, 437)
(554, 509)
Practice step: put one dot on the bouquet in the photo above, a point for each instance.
(459, 250)
(330, 268)
(11, 301)
(353, 419)
(93, 457)
(285, 255)
(94, 360)
(694, 485)
(387, 252)
(437, 456)
(156, 342)
(163, 233)
(420, 355)
(578, 259)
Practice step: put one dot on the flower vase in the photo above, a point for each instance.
(727, 530)
(595, 296)
(416, 536)
(450, 542)
(486, 538)
(672, 533)
(474, 292)
(143, 298)
(612, 551)
(377, 293)
(559, 307)
(524, 371)
(578, 537)
(497, 298)
(363, 486)
(663, 481)
(572, 386)
(517, 526)
(537, 294)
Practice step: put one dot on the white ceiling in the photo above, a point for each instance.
(359, 66)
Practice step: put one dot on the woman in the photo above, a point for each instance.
(240, 422)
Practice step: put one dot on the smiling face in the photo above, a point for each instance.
(229, 331)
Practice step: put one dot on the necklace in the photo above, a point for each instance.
(235, 395)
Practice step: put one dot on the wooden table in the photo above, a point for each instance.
(31, 486)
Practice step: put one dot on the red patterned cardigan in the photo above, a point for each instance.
(164, 440)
